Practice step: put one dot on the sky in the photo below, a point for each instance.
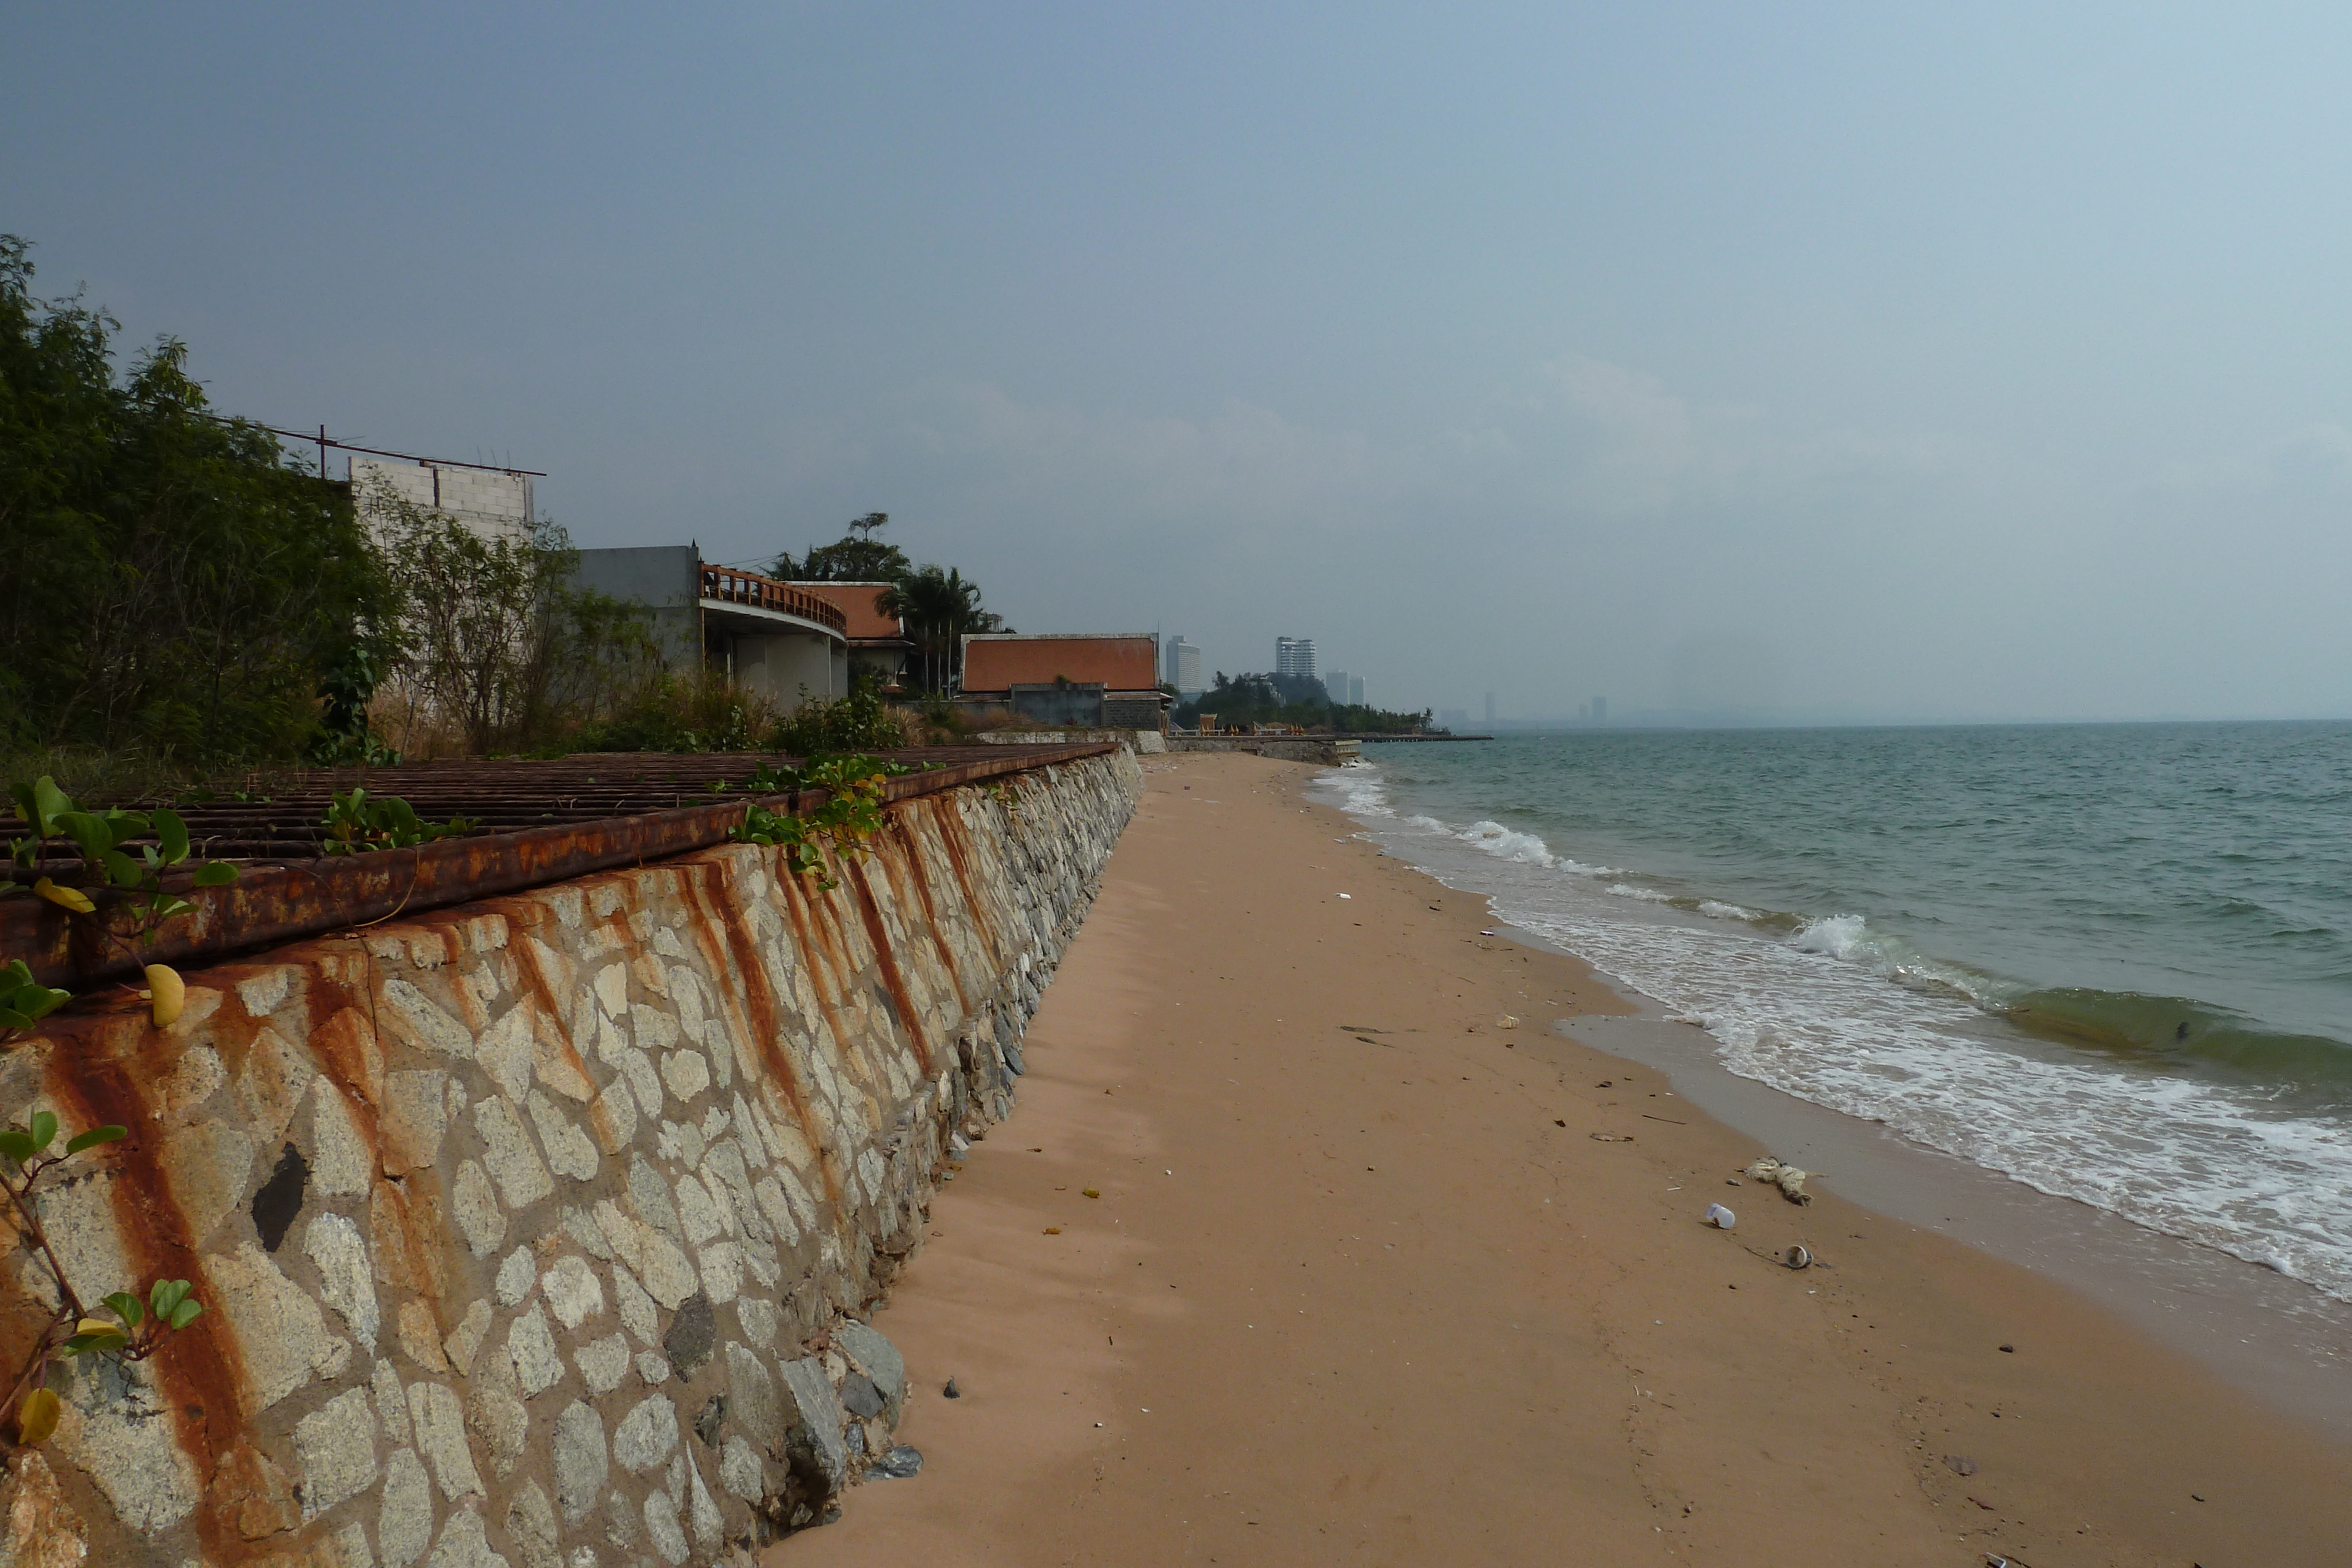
(1796, 362)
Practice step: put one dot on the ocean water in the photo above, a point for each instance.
(2113, 962)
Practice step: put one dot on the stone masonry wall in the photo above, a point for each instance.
(536, 1231)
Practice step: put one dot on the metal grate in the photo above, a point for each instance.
(537, 822)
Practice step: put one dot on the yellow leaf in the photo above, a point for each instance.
(37, 1417)
(71, 898)
(1090, 1192)
(166, 993)
(99, 1326)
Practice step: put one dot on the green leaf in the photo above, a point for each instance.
(121, 868)
(12, 1019)
(185, 1313)
(215, 873)
(127, 1307)
(18, 1146)
(171, 833)
(45, 1127)
(94, 1137)
(124, 826)
(45, 1000)
(89, 833)
(166, 1296)
(49, 803)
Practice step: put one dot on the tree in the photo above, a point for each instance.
(168, 579)
(492, 636)
(856, 557)
(939, 608)
(1290, 699)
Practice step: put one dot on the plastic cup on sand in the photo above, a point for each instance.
(1721, 1217)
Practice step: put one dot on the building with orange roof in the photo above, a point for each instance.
(879, 643)
(1076, 679)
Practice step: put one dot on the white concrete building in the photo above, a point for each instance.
(495, 504)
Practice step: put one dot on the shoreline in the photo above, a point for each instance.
(2279, 1338)
(1370, 1278)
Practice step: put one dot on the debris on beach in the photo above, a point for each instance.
(1787, 1177)
(1797, 1257)
(1960, 1464)
(1506, 1021)
(1721, 1217)
(1610, 1137)
(898, 1465)
(952, 1391)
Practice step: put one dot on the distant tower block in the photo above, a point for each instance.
(1295, 657)
(1490, 710)
(1183, 665)
(1336, 683)
(1355, 691)
(1601, 710)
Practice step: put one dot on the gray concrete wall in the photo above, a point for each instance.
(539, 1232)
(667, 581)
(495, 506)
(791, 668)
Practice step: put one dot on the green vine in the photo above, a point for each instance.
(851, 815)
(137, 1330)
(130, 873)
(357, 823)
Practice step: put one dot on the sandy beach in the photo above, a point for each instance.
(1297, 1248)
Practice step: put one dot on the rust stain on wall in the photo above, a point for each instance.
(201, 1373)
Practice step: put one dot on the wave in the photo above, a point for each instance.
(2177, 1114)
(1525, 848)
(2183, 1032)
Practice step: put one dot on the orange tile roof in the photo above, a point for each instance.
(997, 662)
(856, 602)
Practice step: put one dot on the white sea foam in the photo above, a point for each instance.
(1506, 844)
(1813, 1015)
(1839, 935)
(1358, 790)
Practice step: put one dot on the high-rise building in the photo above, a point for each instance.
(1601, 710)
(1490, 710)
(1295, 657)
(1336, 683)
(1356, 691)
(1183, 665)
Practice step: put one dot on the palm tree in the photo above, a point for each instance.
(938, 607)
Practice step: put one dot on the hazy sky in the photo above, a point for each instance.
(1911, 361)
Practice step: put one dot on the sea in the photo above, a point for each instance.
(2113, 962)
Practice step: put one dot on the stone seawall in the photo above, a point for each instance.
(535, 1231)
(1329, 751)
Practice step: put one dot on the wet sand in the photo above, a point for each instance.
(1372, 1279)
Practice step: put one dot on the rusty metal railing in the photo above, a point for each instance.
(535, 822)
(731, 585)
